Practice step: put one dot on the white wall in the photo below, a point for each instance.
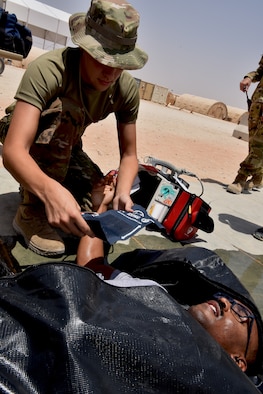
(49, 26)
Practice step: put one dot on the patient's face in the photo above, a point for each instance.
(217, 317)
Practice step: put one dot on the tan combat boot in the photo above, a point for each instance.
(238, 185)
(256, 182)
(31, 222)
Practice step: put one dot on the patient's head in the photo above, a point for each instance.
(232, 325)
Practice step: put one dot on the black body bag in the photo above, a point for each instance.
(64, 330)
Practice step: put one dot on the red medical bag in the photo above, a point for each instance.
(164, 194)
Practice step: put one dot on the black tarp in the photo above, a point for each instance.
(63, 330)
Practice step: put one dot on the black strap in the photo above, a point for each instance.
(249, 101)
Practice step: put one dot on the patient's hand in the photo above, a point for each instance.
(103, 192)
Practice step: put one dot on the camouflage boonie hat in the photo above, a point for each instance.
(108, 32)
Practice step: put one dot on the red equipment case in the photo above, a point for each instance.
(165, 196)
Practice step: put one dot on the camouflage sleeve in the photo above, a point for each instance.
(258, 74)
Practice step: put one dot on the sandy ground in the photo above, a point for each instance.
(195, 142)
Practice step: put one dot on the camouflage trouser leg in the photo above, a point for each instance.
(82, 174)
(5, 121)
(58, 149)
(253, 163)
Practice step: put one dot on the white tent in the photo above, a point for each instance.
(45, 22)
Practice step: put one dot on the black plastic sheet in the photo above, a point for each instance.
(63, 330)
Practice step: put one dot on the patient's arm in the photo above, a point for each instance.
(90, 251)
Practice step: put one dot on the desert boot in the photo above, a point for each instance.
(31, 223)
(238, 185)
(256, 182)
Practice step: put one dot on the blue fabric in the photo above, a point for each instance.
(113, 225)
(14, 37)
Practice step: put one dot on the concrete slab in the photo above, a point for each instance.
(236, 217)
(241, 135)
(241, 129)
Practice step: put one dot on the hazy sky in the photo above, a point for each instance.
(200, 47)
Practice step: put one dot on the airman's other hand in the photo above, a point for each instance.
(245, 83)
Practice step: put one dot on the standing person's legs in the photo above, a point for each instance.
(253, 163)
(255, 159)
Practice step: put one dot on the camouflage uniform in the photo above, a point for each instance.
(58, 150)
(65, 115)
(68, 103)
(253, 163)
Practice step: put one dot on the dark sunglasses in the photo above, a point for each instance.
(241, 313)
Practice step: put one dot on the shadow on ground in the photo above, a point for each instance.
(238, 224)
(209, 180)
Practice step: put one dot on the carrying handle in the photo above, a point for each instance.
(166, 166)
(169, 170)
